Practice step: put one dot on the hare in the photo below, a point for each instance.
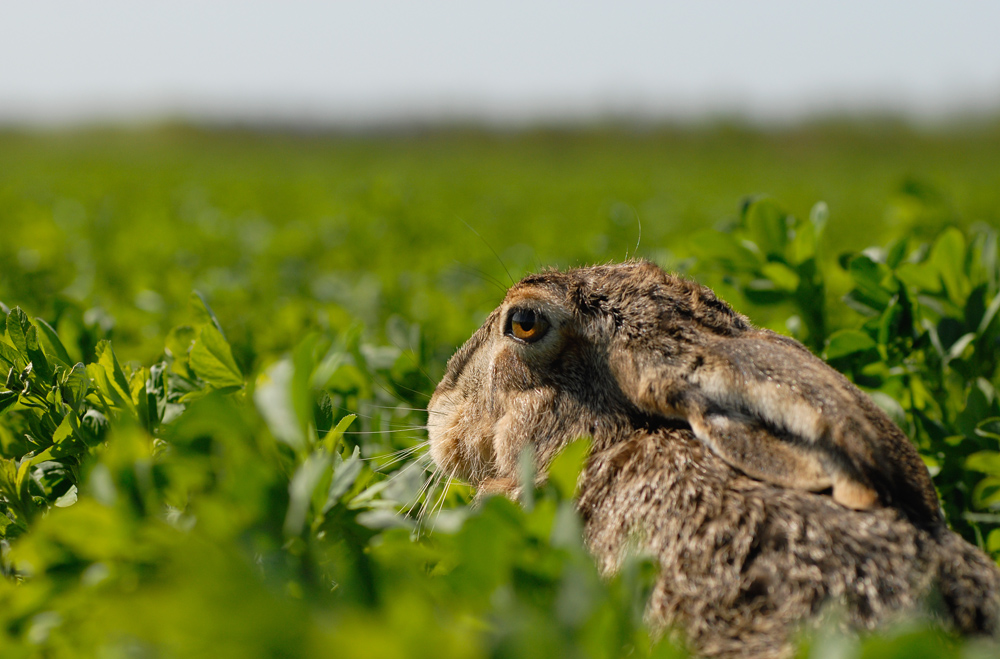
(762, 480)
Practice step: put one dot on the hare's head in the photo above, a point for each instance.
(609, 350)
(563, 357)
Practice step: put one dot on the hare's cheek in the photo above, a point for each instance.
(508, 443)
(509, 372)
(528, 420)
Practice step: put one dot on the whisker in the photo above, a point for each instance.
(639, 239)
(422, 461)
(428, 498)
(379, 432)
(397, 456)
(390, 461)
(382, 387)
(444, 497)
(438, 505)
(406, 409)
(413, 358)
(363, 416)
(392, 428)
(423, 488)
(444, 493)
(402, 450)
(491, 249)
(489, 279)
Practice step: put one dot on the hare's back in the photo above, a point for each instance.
(743, 562)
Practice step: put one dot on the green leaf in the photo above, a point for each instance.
(889, 405)
(300, 491)
(768, 226)
(333, 437)
(726, 249)
(989, 428)
(273, 397)
(304, 358)
(959, 346)
(178, 344)
(7, 399)
(847, 342)
(764, 292)
(993, 541)
(987, 462)
(819, 214)
(986, 494)
(526, 474)
(22, 472)
(564, 471)
(65, 442)
(381, 520)
(806, 240)
(948, 256)
(140, 399)
(75, 386)
(889, 323)
(783, 277)
(51, 342)
(921, 276)
(343, 478)
(897, 252)
(212, 359)
(989, 315)
(202, 312)
(868, 276)
(21, 331)
(108, 377)
(10, 357)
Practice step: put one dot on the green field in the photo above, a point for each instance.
(193, 492)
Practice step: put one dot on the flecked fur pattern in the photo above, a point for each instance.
(765, 484)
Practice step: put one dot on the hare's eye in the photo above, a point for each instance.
(526, 325)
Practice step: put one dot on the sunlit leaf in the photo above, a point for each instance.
(273, 397)
(948, 256)
(987, 462)
(767, 225)
(212, 359)
(333, 437)
(783, 277)
(300, 490)
(847, 342)
(52, 343)
(989, 428)
(343, 478)
(565, 469)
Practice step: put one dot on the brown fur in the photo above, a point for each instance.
(765, 484)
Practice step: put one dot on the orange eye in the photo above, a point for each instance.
(527, 326)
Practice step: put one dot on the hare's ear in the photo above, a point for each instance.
(745, 443)
(776, 456)
(754, 403)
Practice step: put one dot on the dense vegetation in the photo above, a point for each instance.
(215, 347)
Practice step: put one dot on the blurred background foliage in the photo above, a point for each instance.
(241, 471)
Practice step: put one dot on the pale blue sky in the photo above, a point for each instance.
(512, 60)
